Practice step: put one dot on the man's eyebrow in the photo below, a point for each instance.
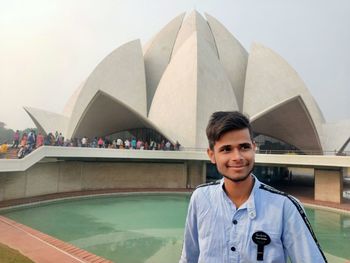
(245, 144)
(224, 146)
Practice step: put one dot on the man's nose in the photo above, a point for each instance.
(236, 154)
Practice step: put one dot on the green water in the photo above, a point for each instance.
(146, 228)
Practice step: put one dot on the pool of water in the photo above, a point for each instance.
(146, 228)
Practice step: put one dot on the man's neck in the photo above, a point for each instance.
(239, 192)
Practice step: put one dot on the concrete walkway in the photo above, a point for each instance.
(40, 247)
(306, 195)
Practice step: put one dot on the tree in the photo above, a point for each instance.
(6, 135)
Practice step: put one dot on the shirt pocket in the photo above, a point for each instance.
(273, 252)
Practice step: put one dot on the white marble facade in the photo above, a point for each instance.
(191, 68)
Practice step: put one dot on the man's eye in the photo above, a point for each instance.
(226, 149)
(246, 147)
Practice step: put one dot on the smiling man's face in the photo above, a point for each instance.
(234, 155)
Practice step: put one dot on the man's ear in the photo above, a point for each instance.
(211, 155)
(254, 145)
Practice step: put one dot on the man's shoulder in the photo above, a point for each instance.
(214, 183)
(271, 190)
(206, 190)
(276, 195)
(205, 194)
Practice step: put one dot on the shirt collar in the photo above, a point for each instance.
(250, 203)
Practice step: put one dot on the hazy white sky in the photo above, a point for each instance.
(47, 48)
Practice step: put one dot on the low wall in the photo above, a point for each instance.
(69, 176)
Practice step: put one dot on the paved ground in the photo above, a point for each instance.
(306, 195)
(40, 247)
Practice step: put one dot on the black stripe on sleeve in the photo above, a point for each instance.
(300, 210)
(208, 184)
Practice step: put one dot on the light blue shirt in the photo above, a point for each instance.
(217, 232)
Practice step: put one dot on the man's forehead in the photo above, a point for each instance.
(220, 145)
(229, 142)
(241, 134)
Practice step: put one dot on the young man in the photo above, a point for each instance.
(240, 219)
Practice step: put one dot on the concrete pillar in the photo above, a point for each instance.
(329, 185)
(196, 173)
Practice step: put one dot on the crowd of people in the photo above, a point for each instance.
(118, 143)
(28, 142)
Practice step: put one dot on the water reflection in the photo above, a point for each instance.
(332, 231)
(148, 228)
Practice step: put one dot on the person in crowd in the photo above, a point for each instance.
(60, 139)
(84, 142)
(94, 142)
(177, 146)
(31, 139)
(162, 145)
(114, 144)
(142, 145)
(151, 145)
(107, 142)
(47, 140)
(39, 140)
(24, 139)
(67, 143)
(167, 146)
(139, 144)
(15, 140)
(127, 144)
(4, 148)
(119, 143)
(133, 143)
(100, 143)
(75, 142)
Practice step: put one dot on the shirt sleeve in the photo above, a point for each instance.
(190, 249)
(298, 237)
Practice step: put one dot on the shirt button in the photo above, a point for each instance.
(234, 222)
(233, 249)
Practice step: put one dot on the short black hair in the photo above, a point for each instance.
(221, 122)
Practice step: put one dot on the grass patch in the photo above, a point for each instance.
(9, 255)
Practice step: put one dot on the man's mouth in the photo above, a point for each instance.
(236, 166)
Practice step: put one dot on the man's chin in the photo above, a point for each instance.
(239, 177)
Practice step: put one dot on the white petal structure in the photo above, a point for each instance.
(194, 23)
(300, 132)
(185, 99)
(157, 55)
(190, 69)
(336, 136)
(120, 75)
(47, 121)
(232, 55)
(105, 114)
(69, 107)
(270, 81)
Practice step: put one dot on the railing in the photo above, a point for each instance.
(297, 152)
(11, 155)
(54, 153)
